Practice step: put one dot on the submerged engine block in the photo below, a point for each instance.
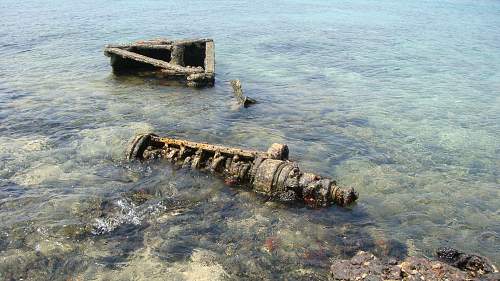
(269, 173)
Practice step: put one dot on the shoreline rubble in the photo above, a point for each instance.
(451, 265)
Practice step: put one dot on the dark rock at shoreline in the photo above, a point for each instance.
(475, 265)
(366, 266)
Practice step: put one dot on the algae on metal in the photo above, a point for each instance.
(269, 173)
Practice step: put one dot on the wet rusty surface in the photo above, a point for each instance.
(269, 173)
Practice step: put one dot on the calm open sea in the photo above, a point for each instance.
(398, 99)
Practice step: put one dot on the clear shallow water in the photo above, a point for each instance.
(397, 99)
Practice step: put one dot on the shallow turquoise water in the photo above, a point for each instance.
(399, 99)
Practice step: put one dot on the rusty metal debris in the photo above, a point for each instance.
(190, 61)
(269, 173)
(238, 92)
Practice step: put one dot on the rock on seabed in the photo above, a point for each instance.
(366, 266)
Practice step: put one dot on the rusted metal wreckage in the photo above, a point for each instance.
(269, 173)
(190, 61)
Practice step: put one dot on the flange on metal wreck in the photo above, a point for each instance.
(189, 61)
(269, 173)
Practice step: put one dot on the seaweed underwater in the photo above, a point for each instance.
(398, 100)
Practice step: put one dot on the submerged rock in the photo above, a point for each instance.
(366, 266)
(203, 266)
(100, 216)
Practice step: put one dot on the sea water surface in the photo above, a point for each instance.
(398, 99)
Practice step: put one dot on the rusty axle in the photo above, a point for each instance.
(269, 173)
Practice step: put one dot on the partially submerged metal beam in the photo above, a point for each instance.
(222, 149)
(238, 92)
(192, 41)
(154, 62)
(129, 47)
(269, 173)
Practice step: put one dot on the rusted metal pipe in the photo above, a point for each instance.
(269, 173)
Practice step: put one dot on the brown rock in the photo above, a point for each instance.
(365, 266)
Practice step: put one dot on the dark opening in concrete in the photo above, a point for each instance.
(194, 55)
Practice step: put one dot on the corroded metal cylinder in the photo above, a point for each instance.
(269, 173)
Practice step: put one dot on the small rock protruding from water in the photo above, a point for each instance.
(473, 264)
(238, 93)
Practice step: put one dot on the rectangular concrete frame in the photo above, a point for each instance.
(167, 59)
